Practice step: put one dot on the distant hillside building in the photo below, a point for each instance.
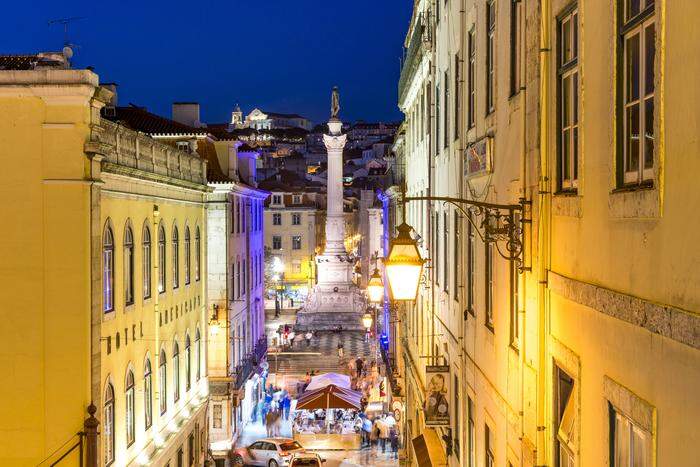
(263, 120)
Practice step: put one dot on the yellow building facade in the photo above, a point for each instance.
(110, 243)
(586, 352)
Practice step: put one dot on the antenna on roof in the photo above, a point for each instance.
(67, 45)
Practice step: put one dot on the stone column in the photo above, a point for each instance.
(335, 220)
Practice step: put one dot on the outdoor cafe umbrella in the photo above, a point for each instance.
(329, 397)
(323, 380)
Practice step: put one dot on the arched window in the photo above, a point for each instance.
(188, 363)
(197, 255)
(187, 255)
(148, 394)
(162, 383)
(128, 266)
(161, 259)
(197, 353)
(108, 270)
(146, 262)
(176, 258)
(176, 372)
(108, 425)
(130, 404)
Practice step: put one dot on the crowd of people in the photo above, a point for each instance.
(273, 407)
(286, 337)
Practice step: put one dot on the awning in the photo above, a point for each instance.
(428, 450)
(329, 397)
(321, 381)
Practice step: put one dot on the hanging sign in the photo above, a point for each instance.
(437, 397)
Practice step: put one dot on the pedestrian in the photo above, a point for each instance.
(340, 351)
(291, 303)
(308, 337)
(383, 433)
(394, 440)
(366, 430)
(291, 339)
(269, 421)
(286, 403)
(358, 365)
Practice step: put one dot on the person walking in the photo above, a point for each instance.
(308, 337)
(366, 431)
(394, 441)
(340, 352)
(383, 432)
(269, 421)
(286, 403)
(358, 366)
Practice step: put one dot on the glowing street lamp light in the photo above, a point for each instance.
(403, 265)
(367, 321)
(375, 287)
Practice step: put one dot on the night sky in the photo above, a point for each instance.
(279, 55)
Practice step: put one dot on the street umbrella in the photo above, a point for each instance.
(329, 397)
(321, 381)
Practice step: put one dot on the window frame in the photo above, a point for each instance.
(471, 266)
(176, 371)
(457, 89)
(568, 91)
(627, 27)
(488, 284)
(187, 255)
(163, 382)
(276, 218)
(188, 363)
(471, 110)
(635, 430)
(276, 242)
(446, 110)
(198, 352)
(128, 265)
(146, 261)
(489, 455)
(490, 56)
(107, 270)
(175, 256)
(516, 11)
(109, 425)
(197, 255)
(130, 408)
(148, 394)
(162, 260)
(296, 218)
(296, 242)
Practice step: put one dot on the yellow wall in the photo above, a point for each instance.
(45, 270)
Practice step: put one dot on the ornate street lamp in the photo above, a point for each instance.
(214, 321)
(403, 265)
(375, 287)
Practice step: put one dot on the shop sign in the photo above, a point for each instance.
(477, 157)
(437, 397)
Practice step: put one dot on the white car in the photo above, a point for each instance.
(306, 459)
(268, 452)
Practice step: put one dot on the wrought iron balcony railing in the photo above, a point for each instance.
(250, 363)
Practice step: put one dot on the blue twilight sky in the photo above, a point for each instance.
(279, 55)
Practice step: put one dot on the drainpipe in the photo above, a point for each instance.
(543, 238)
(522, 295)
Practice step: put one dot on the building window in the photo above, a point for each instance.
(188, 363)
(630, 444)
(446, 250)
(108, 270)
(176, 372)
(276, 199)
(568, 102)
(217, 414)
(244, 278)
(296, 199)
(187, 255)
(130, 407)
(457, 431)
(162, 383)
(146, 247)
(296, 219)
(638, 34)
(457, 254)
(190, 450)
(457, 89)
(276, 242)
(515, 45)
(238, 279)
(514, 304)
(296, 242)
(183, 146)
(488, 282)
(490, 55)
(489, 446)
(197, 353)
(147, 394)
(128, 266)
(446, 111)
(277, 219)
(197, 255)
(438, 116)
(566, 419)
(161, 259)
(176, 258)
(471, 72)
(471, 433)
(471, 268)
(108, 425)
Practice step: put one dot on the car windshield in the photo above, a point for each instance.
(305, 462)
(290, 446)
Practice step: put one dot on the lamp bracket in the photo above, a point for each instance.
(497, 224)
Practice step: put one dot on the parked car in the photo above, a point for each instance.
(306, 459)
(268, 452)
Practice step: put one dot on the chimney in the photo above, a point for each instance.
(112, 87)
(187, 113)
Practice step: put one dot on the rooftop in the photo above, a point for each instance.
(140, 119)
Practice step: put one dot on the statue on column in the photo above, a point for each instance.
(335, 103)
